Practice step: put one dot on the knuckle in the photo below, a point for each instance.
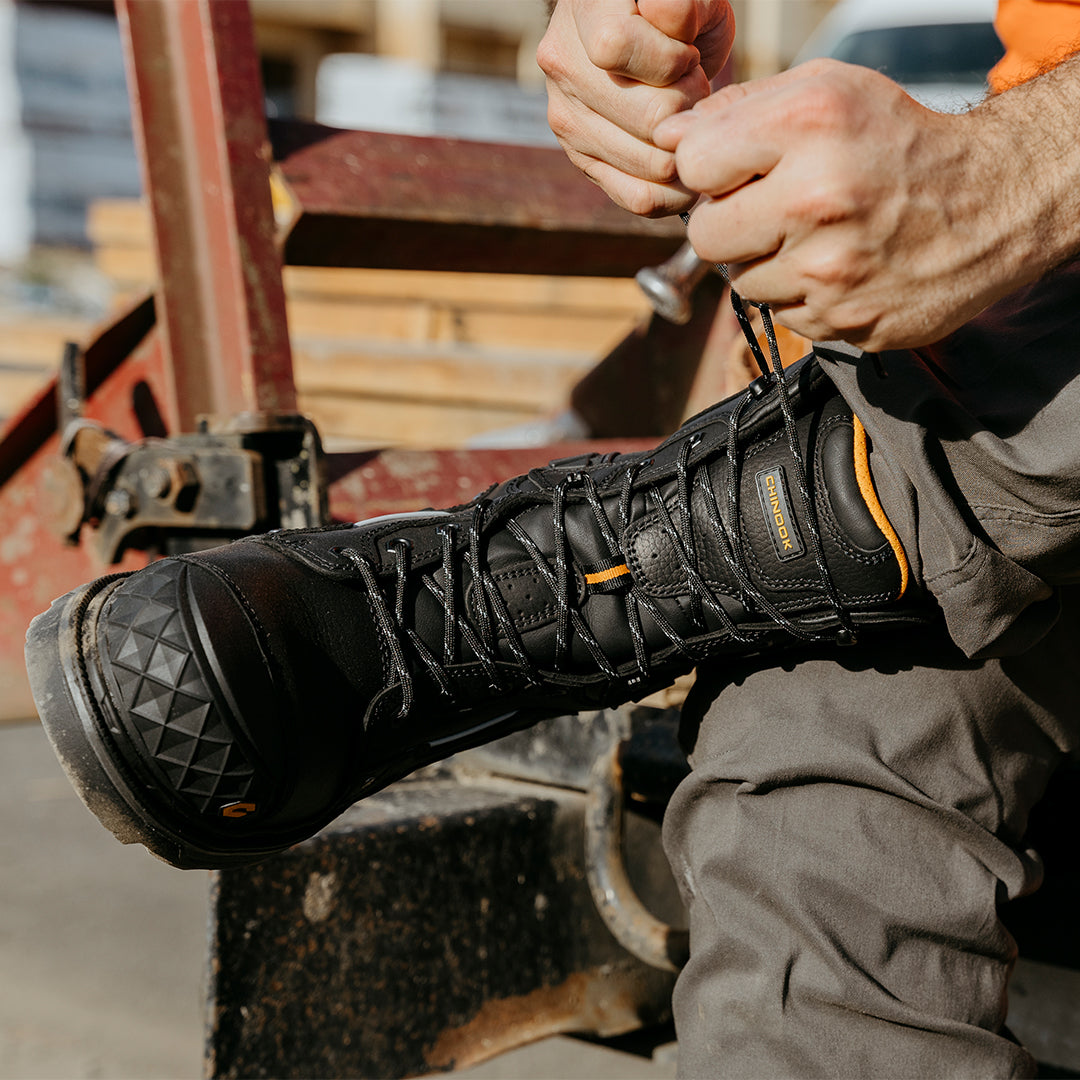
(644, 201)
(822, 202)
(692, 165)
(819, 66)
(661, 167)
(560, 118)
(727, 95)
(824, 107)
(609, 48)
(825, 103)
(660, 105)
(549, 57)
(835, 271)
(843, 317)
(642, 198)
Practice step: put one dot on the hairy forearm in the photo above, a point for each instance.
(1029, 139)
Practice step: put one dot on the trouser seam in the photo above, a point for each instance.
(971, 564)
(1004, 513)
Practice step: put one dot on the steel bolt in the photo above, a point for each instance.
(671, 285)
(119, 503)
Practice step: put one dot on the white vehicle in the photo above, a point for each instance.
(939, 50)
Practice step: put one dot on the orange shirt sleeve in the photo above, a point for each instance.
(1037, 34)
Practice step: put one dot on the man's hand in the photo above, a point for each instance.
(860, 215)
(615, 70)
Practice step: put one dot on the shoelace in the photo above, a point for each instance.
(489, 611)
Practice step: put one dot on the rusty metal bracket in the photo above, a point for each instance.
(249, 472)
(636, 929)
(252, 473)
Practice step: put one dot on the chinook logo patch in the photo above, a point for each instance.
(772, 491)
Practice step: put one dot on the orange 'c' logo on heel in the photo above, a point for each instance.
(238, 809)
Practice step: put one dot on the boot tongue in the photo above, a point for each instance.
(527, 590)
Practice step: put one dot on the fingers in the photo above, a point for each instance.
(615, 71)
(799, 210)
(656, 41)
(644, 198)
(636, 174)
(739, 132)
(577, 107)
(850, 209)
(734, 230)
(781, 159)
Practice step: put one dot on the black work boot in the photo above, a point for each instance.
(221, 706)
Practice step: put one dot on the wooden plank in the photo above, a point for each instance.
(498, 311)
(126, 267)
(390, 422)
(418, 357)
(120, 232)
(463, 376)
(30, 351)
(363, 321)
(616, 296)
(38, 341)
(563, 331)
(359, 322)
(131, 266)
(119, 223)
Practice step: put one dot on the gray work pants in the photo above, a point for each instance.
(854, 817)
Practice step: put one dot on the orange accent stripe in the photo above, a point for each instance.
(606, 575)
(873, 504)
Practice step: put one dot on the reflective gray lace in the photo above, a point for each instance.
(490, 618)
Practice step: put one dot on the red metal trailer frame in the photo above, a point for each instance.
(212, 341)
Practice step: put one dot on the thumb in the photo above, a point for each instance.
(669, 132)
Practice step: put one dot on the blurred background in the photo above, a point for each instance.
(75, 242)
(101, 948)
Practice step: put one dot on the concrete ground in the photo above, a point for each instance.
(102, 950)
(101, 947)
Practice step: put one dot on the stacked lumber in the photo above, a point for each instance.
(416, 358)
(31, 345)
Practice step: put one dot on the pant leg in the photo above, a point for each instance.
(976, 455)
(850, 826)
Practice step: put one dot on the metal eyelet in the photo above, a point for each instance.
(760, 386)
